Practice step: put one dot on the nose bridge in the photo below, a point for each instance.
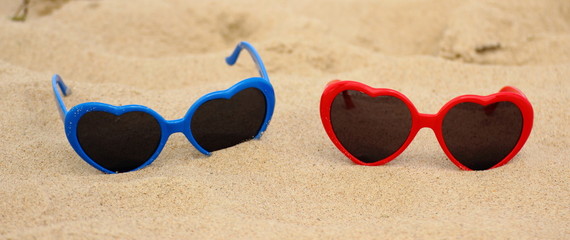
(427, 120)
(174, 126)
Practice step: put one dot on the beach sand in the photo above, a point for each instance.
(292, 183)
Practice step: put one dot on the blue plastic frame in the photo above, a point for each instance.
(168, 127)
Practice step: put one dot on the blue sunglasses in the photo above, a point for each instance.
(117, 139)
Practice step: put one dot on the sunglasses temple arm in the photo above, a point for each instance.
(490, 109)
(349, 104)
(56, 83)
(513, 90)
(231, 60)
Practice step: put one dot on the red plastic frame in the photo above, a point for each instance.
(421, 120)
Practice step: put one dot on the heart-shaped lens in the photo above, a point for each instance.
(370, 128)
(480, 137)
(119, 143)
(222, 123)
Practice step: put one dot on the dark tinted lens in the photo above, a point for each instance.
(118, 143)
(222, 123)
(370, 128)
(479, 136)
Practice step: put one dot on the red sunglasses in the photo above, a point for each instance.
(372, 126)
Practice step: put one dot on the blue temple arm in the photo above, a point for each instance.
(56, 84)
(231, 60)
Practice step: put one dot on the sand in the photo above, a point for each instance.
(292, 183)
